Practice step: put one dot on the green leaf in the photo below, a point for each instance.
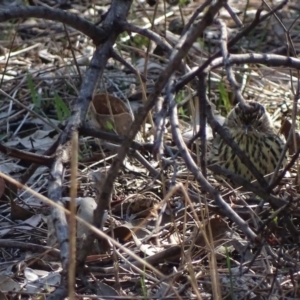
(62, 110)
(181, 111)
(180, 97)
(36, 99)
(224, 96)
(109, 125)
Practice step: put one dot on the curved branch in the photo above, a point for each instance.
(271, 60)
(126, 26)
(258, 19)
(98, 35)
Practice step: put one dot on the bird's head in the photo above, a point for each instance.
(252, 119)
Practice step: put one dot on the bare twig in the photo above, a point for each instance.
(227, 63)
(118, 10)
(7, 243)
(160, 123)
(147, 33)
(97, 34)
(200, 178)
(272, 60)
(179, 52)
(233, 15)
(39, 159)
(199, 10)
(201, 89)
(117, 57)
(197, 71)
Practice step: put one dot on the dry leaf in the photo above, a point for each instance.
(18, 212)
(110, 113)
(86, 212)
(218, 230)
(8, 285)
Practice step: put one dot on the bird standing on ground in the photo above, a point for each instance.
(253, 131)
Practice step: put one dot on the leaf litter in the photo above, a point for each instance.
(139, 218)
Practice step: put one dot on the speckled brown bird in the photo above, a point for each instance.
(253, 130)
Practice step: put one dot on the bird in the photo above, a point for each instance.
(252, 130)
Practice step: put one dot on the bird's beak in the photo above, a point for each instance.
(248, 128)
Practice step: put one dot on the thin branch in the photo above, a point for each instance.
(271, 60)
(227, 63)
(201, 89)
(200, 178)
(179, 52)
(197, 71)
(233, 15)
(97, 34)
